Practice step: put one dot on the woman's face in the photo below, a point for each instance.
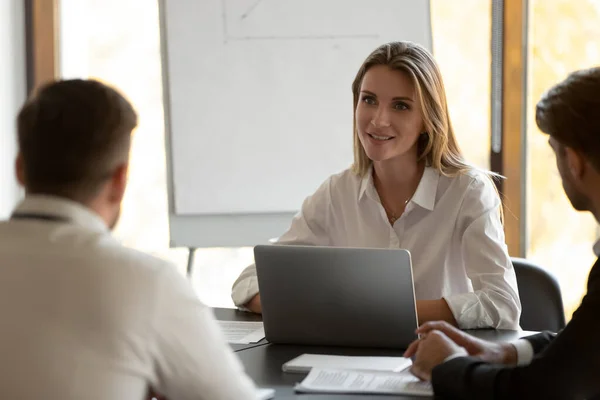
(388, 117)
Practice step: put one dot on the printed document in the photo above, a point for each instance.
(348, 381)
(306, 362)
(242, 332)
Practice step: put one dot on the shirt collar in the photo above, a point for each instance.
(75, 212)
(424, 195)
(427, 189)
(366, 181)
(597, 248)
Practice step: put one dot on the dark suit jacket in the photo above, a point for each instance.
(564, 367)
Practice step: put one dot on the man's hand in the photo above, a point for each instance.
(497, 353)
(254, 304)
(433, 349)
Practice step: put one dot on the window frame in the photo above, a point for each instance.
(509, 116)
(41, 42)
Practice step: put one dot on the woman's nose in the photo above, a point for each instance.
(380, 119)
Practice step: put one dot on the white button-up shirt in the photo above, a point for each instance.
(451, 226)
(83, 317)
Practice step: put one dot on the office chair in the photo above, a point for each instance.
(541, 300)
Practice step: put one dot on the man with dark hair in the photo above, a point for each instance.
(543, 366)
(73, 135)
(82, 316)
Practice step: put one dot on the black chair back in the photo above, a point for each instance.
(541, 300)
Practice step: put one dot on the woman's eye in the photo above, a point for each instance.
(401, 106)
(369, 100)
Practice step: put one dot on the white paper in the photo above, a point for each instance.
(348, 381)
(305, 362)
(265, 394)
(242, 332)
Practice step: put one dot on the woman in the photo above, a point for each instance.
(410, 187)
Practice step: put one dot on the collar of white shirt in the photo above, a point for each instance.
(75, 212)
(424, 195)
(597, 248)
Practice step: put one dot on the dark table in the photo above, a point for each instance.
(263, 360)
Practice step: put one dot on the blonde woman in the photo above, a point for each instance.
(410, 188)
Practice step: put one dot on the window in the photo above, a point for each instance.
(564, 36)
(462, 47)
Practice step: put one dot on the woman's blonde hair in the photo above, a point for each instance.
(437, 145)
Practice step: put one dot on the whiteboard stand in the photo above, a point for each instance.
(190, 263)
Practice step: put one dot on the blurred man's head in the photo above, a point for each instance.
(570, 113)
(74, 139)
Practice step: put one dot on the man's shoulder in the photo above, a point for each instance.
(119, 267)
(73, 245)
(108, 249)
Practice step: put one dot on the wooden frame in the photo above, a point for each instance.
(508, 131)
(42, 27)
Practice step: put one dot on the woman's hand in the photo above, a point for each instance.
(254, 304)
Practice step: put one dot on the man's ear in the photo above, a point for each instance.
(575, 163)
(20, 169)
(118, 183)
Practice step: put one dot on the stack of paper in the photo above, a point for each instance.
(306, 362)
(347, 381)
(242, 332)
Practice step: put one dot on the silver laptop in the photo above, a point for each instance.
(336, 296)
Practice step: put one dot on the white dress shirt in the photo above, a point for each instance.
(451, 226)
(83, 317)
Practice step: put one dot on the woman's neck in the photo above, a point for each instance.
(398, 174)
(396, 182)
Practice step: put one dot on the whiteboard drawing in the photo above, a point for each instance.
(292, 20)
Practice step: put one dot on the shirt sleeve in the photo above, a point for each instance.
(308, 227)
(192, 359)
(495, 301)
(523, 347)
(524, 351)
(462, 353)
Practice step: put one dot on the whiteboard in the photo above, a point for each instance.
(258, 104)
